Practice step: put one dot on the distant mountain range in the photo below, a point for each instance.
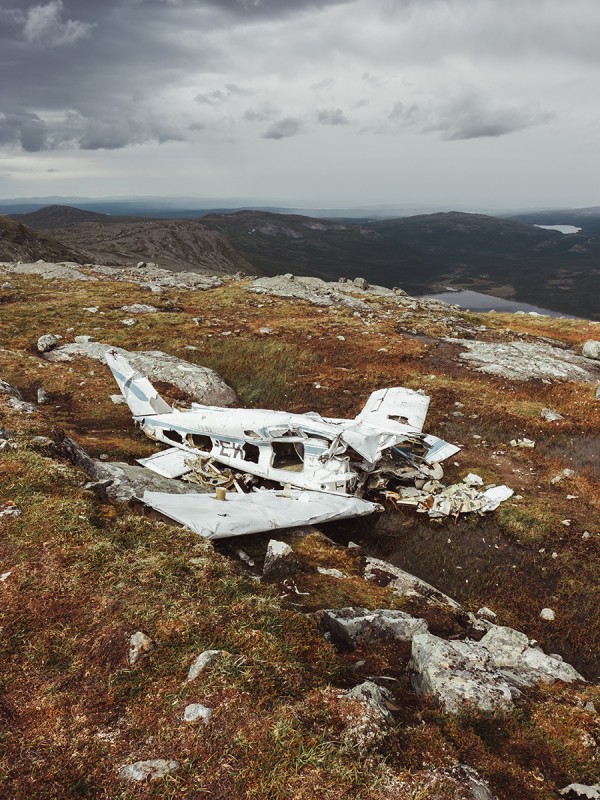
(506, 257)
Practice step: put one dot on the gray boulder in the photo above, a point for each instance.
(280, 560)
(47, 342)
(122, 482)
(458, 675)
(353, 626)
(202, 384)
(591, 349)
(505, 645)
(374, 696)
(148, 770)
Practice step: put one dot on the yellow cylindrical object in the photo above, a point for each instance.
(221, 493)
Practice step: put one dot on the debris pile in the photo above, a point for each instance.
(439, 501)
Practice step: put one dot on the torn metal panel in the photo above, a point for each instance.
(171, 463)
(241, 514)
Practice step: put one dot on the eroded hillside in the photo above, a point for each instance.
(81, 574)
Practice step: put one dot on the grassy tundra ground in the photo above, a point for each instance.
(84, 575)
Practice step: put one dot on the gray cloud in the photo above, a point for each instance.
(470, 117)
(45, 23)
(218, 96)
(284, 128)
(332, 116)
(24, 129)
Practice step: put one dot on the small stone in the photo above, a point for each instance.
(266, 331)
(551, 416)
(129, 322)
(525, 443)
(590, 707)
(472, 479)
(91, 309)
(566, 523)
(117, 399)
(373, 695)
(148, 770)
(547, 614)
(139, 645)
(139, 308)
(42, 396)
(333, 573)
(46, 342)
(280, 560)
(585, 535)
(141, 264)
(84, 339)
(203, 662)
(487, 614)
(196, 712)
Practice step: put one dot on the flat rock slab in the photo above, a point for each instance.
(404, 584)
(523, 361)
(313, 290)
(354, 626)
(201, 383)
(68, 271)
(154, 769)
(121, 482)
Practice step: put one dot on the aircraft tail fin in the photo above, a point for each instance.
(141, 397)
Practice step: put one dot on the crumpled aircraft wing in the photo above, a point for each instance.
(397, 404)
(256, 512)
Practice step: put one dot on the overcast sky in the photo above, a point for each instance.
(473, 104)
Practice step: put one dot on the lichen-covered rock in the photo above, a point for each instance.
(148, 770)
(505, 645)
(47, 342)
(353, 626)
(201, 383)
(121, 482)
(591, 349)
(574, 791)
(372, 694)
(203, 662)
(196, 712)
(522, 361)
(458, 675)
(280, 560)
(139, 645)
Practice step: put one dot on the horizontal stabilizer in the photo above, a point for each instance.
(404, 406)
(256, 512)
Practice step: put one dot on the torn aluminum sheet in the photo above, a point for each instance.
(440, 501)
(256, 512)
(171, 463)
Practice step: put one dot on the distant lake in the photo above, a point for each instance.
(476, 301)
(560, 228)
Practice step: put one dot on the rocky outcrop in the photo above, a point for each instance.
(522, 361)
(202, 384)
(354, 626)
(488, 674)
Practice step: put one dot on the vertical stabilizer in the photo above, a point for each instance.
(141, 397)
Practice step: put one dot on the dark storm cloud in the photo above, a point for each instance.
(284, 128)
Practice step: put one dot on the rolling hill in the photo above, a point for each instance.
(19, 242)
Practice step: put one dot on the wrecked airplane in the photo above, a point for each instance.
(324, 467)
